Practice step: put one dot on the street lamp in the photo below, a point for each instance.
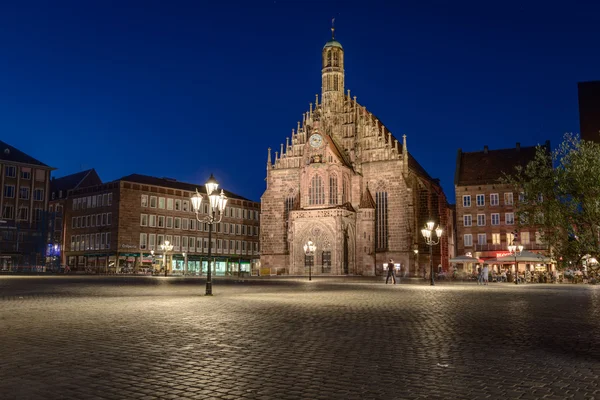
(215, 214)
(516, 250)
(152, 254)
(416, 251)
(427, 233)
(166, 247)
(309, 250)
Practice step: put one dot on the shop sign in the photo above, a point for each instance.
(128, 246)
(502, 253)
(130, 255)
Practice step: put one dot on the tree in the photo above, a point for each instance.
(560, 196)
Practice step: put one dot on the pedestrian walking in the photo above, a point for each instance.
(479, 276)
(391, 272)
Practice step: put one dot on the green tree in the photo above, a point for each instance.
(560, 196)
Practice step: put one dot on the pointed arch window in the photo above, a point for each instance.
(333, 189)
(335, 82)
(328, 58)
(344, 191)
(316, 194)
(336, 59)
(381, 220)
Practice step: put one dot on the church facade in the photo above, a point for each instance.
(345, 183)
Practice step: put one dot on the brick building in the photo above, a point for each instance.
(485, 208)
(115, 227)
(24, 203)
(589, 110)
(343, 181)
(59, 190)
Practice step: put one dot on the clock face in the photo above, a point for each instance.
(316, 140)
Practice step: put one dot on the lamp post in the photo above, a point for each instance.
(416, 251)
(427, 233)
(152, 254)
(166, 247)
(217, 203)
(309, 250)
(516, 250)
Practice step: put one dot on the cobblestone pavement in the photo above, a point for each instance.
(159, 338)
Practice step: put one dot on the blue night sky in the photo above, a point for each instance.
(183, 89)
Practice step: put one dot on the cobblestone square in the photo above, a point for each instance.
(160, 338)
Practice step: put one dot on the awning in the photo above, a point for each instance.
(526, 256)
(465, 259)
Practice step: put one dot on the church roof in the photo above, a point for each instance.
(366, 200)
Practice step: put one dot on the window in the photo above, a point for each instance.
(509, 218)
(98, 241)
(169, 204)
(316, 194)
(25, 173)
(538, 238)
(177, 223)
(510, 238)
(169, 239)
(192, 243)
(381, 220)
(92, 220)
(10, 171)
(525, 238)
(151, 241)
(99, 200)
(38, 195)
(9, 191)
(480, 219)
(161, 202)
(468, 240)
(161, 221)
(178, 205)
(495, 238)
(333, 188)
(508, 199)
(184, 243)
(144, 220)
(108, 240)
(184, 224)
(467, 200)
(144, 200)
(467, 220)
(109, 218)
(192, 224)
(23, 214)
(186, 205)
(40, 175)
(94, 201)
(480, 200)
(160, 239)
(169, 222)
(153, 200)
(495, 219)
(98, 219)
(8, 211)
(152, 221)
(24, 193)
(109, 201)
(104, 219)
(494, 199)
(143, 241)
(481, 238)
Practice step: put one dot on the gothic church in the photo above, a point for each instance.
(345, 183)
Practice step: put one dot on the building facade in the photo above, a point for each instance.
(25, 184)
(344, 182)
(486, 209)
(120, 226)
(59, 190)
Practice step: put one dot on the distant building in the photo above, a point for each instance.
(486, 208)
(589, 110)
(116, 226)
(59, 190)
(344, 182)
(25, 184)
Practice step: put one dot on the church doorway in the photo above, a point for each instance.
(345, 255)
(326, 264)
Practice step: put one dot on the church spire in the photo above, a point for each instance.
(332, 73)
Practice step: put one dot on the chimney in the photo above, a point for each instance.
(518, 146)
(485, 149)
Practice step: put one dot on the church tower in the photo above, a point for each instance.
(332, 74)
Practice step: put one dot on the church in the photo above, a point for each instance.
(343, 182)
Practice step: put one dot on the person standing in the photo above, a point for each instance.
(485, 274)
(391, 272)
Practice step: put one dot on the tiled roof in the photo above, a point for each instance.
(12, 154)
(68, 182)
(488, 166)
(173, 184)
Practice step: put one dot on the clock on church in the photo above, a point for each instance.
(316, 140)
